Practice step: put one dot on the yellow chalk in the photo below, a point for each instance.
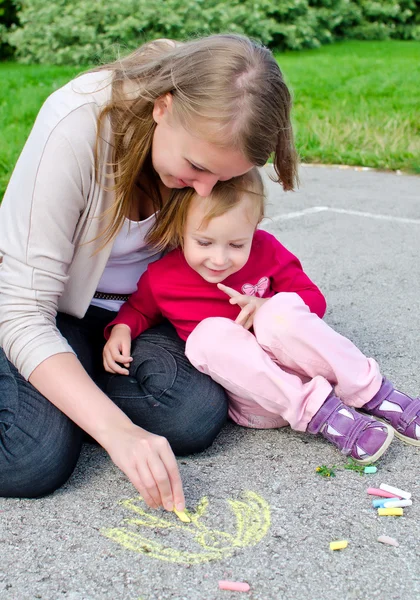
(338, 545)
(390, 512)
(182, 516)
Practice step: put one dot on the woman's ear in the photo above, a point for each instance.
(162, 106)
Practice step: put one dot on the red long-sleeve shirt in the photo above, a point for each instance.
(171, 289)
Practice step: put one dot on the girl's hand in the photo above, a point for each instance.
(117, 350)
(148, 461)
(249, 305)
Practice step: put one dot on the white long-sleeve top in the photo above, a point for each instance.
(52, 209)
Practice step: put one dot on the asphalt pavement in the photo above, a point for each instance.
(261, 513)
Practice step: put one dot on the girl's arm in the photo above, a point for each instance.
(289, 276)
(140, 312)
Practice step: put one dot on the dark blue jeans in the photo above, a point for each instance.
(164, 394)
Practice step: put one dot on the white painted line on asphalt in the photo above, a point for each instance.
(344, 211)
(294, 215)
(358, 213)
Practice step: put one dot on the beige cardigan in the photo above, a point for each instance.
(50, 210)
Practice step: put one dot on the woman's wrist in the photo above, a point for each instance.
(65, 383)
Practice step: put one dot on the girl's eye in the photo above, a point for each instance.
(237, 246)
(204, 244)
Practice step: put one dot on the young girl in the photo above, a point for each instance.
(293, 368)
(105, 154)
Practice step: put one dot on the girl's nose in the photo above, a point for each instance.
(218, 259)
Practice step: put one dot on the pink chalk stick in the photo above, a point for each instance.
(382, 493)
(234, 586)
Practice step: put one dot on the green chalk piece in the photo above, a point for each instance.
(370, 469)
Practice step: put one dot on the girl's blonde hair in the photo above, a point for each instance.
(168, 231)
(226, 88)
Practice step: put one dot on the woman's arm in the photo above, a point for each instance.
(146, 458)
(47, 195)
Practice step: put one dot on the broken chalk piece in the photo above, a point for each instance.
(234, 586)
(388, 503)
(385, 539)
(182, 516)
(395, 491)
(370, 469)
(390, 512)
(340, 545)
(383, 493)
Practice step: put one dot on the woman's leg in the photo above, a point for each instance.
(164, 394)
(261, 393)
(39, 445)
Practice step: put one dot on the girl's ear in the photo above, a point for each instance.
(162, 106)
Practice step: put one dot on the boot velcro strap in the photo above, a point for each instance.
(408, 415)
(353, 435)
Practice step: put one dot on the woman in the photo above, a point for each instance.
(105, 154)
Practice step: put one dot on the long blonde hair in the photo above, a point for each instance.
(168, 232)
(227, 88)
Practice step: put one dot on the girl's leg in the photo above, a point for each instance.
(261, 391)
(166, 395)
(302, 342)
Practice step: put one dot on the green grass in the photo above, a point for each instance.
(356, 103)
(23, 90)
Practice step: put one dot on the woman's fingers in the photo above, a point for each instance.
(147, 459)
(164, 470)
(172, 470)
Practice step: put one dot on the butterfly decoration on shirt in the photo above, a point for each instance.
(258, 289)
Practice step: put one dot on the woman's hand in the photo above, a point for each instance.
(249, 305)
(145, 458)
(148, 461)
(117, 350)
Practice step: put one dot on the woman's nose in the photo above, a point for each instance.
(204, 186)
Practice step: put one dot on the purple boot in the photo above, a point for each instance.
(354, 434)
(399, 410)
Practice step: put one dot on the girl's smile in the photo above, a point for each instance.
(220, 247)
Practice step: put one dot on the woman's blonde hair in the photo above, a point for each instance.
(168, 232)
(226, 88)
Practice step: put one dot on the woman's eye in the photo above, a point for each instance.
(195, 168)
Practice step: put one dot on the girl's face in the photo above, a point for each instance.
(222, 246)
(183, 160)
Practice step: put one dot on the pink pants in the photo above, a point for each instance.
(283, 373)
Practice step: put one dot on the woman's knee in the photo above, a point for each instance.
(31, 467)
(194, 428)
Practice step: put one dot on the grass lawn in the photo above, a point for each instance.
(356, 103)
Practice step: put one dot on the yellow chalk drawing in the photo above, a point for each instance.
(252, 524)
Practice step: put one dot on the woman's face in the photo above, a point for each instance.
(183, 160)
